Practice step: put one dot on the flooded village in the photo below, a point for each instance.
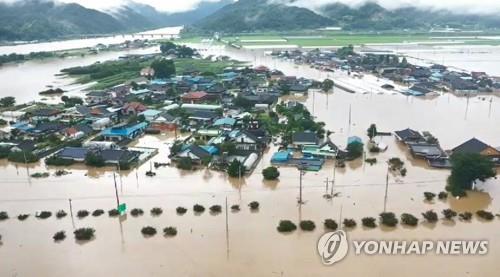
(256, 140)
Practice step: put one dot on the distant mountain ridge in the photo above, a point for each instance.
(372, 16)
(257, 15)
(260, 15)
(43, 19)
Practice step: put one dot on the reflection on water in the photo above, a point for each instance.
(256, 248)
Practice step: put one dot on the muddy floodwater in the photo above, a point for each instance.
(251, 246)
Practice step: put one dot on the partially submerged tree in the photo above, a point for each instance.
(170, 231)
(61, 235)
(330, 224)
(369, 222)
(236, 169)
(388, 219)
(307, 225)
(485, 215)
(181, 210)
(429, 196)
(372, 131)
(148, 231)
(349, 223)
(286, 226)
(156, 211)
(198, 208)
(466, 170)
(84, 234)
(430, 216)
(271, 173)
(449, 214)
(254, 205)
(409, 219)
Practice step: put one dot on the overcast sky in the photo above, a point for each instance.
(461, 6)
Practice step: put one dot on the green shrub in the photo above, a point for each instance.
(136, 212)
(22, 157)
(95, 160)
(286, 226)
(198, 208)
(82, 214)
(409, 219)
(429, 196)
(43, 214)
(466, 216)
(485, 215)
(170, 231)
(113, 213)
(388, 219)
(181, 210)
(148, 231)
(39, 175)
(84, 234)
(349, 223)
(61, 235)
(307, 225)
(271, 173)
(215, 209)
(235, 208)
(185, 163)
(97, 213)
(443, 195)
(23, 217)
(369, 222)
(4, 216)
(60, 214)
(331, 224)
(254, 205)
(449, 214)
(371, 161)
(156, 211)
(430, 216)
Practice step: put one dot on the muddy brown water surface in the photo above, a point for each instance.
(253, 247)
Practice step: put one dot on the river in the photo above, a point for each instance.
(252, 246)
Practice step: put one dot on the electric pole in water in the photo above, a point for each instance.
(386, 188)
(302, 173)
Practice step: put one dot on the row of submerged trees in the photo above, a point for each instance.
(387, 219)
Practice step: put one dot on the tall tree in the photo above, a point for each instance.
(466, 169)
(8, 101)
(163, 68)
(327, 85)
(372, 131)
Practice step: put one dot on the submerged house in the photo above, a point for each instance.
(326, 150)
(196, 153)
(301, 139)
(127, 131)
(478, 147)
(426, 151)
(408, 135)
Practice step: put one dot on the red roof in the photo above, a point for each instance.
(194, 95)
(135, 106)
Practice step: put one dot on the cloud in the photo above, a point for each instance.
(457, 6)
(163, 5)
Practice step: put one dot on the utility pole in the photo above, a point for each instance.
(71, 213)
(116, 192)
(386, 189)
(227, 231)
(301, 173)
(334, 173)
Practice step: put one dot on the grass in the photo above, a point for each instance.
(338, 39)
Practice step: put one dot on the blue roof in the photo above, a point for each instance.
(124, 130)
(225, 121)
(281, 156)
(211, 149)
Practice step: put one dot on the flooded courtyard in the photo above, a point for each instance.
(251, 246)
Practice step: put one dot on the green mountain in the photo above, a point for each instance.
(372, 16)
(32, 19)
(44, 19)
(258, 15)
